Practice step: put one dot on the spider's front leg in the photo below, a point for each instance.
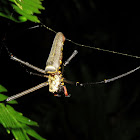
(25, 92)
(21, 61)
(27, 64)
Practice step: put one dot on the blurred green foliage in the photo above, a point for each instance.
(15, 122)
(21, 10)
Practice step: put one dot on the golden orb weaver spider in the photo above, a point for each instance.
(53, 70)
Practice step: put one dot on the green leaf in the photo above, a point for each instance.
(32, 133)
(15, 122)
(26, 10)
(21, 118)
(26, 14)
(3, 97)
(22, 18)
(2, 89)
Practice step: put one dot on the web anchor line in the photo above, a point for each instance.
(92, 47)
(104, 50)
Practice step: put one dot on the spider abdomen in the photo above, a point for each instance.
(55, 57)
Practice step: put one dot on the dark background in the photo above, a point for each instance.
(100, 112)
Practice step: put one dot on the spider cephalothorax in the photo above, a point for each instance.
(54, 81)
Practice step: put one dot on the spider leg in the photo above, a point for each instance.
(37, 74)
(103, 81)
(21, 61)
(25, 92)
(69, 59)
(65, 91)
(122, 75)
(69, 82)
(27, 64)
